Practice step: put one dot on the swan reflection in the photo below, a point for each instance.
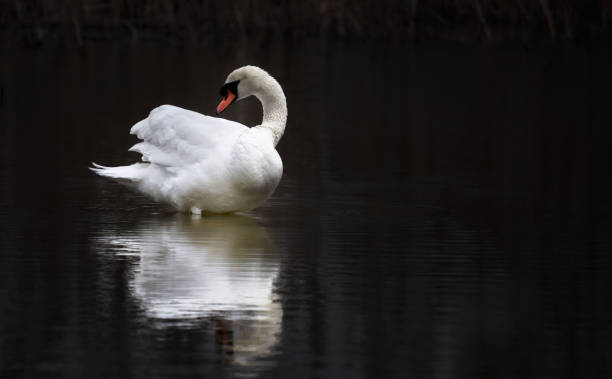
(220, 268)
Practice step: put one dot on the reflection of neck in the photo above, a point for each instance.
(274, 108)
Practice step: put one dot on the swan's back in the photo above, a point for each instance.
(175, 137)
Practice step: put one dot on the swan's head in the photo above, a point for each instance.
(241, 83)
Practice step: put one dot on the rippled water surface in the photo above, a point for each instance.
(443, 213)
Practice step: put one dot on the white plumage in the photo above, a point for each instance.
(199, 163)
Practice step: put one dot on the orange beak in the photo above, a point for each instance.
(227, 100)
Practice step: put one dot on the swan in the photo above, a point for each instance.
(197, 163)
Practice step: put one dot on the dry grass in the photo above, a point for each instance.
(197, 21)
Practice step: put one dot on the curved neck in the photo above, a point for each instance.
(274, 108)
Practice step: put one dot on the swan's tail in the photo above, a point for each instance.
(131, 174)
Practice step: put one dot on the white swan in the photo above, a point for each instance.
(199, 163)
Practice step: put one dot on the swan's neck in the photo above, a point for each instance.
(274, 108)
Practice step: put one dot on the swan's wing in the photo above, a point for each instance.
(175, 137)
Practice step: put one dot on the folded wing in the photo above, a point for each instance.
(176, 137)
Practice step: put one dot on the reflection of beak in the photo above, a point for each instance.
(227, 100)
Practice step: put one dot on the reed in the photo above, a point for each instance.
(198, 21)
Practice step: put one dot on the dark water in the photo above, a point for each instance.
(444, 213)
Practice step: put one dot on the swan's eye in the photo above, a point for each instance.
(231, 87)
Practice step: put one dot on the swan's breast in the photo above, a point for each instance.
(257, 168)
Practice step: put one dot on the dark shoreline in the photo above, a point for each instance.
(215, 22)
